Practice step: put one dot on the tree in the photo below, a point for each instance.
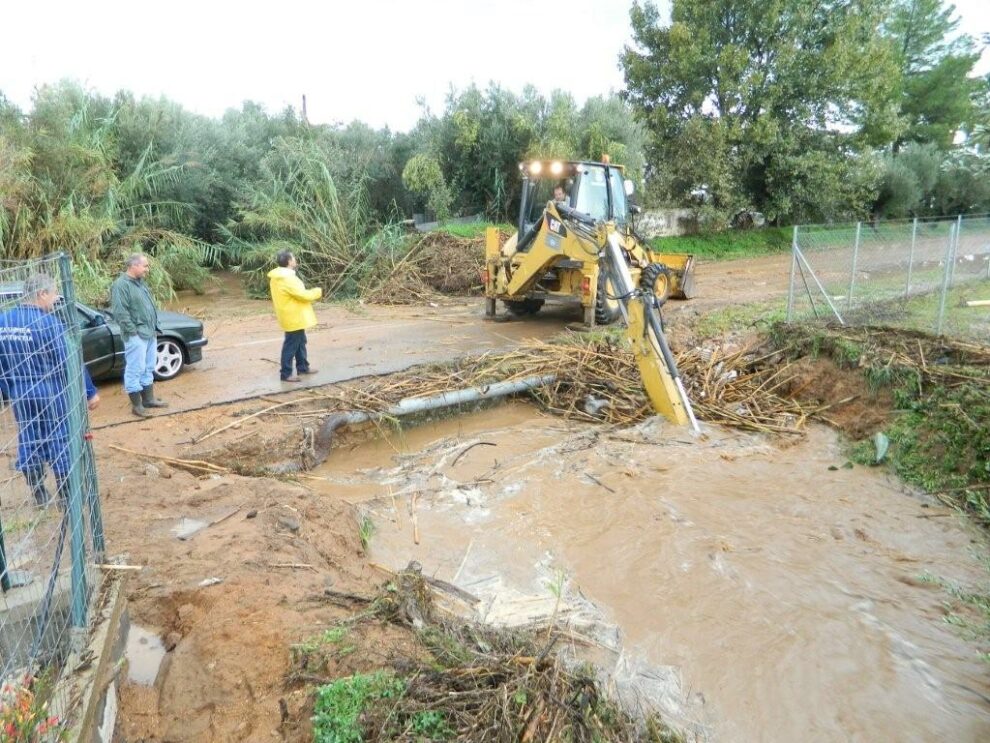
(422, 176)
(763, 102)
(934, 64)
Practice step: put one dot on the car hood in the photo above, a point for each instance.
(166, 320)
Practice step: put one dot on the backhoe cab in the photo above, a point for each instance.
(575, 239)
(555, 251)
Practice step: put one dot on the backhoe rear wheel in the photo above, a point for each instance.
(657, 278)
(523, 307)
(607, 309)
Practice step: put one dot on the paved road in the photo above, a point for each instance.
(241, 359)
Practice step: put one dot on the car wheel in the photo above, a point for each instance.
(170, 360)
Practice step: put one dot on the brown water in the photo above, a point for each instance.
(757, 594)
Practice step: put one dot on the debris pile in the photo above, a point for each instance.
(469, 682)
(439, 264)
(596, 379)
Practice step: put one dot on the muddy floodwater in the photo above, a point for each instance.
(752, 590)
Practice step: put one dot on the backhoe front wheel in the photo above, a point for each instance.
(657, 278)
(523, 307)
(607, 308)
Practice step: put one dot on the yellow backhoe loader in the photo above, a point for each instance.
(579, 242)
(544, 260)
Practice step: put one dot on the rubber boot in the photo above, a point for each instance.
(36, 482)
(148, 398)
(137, 407)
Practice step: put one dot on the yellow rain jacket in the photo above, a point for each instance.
(293, 301)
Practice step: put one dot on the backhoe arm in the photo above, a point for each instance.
(645, 331)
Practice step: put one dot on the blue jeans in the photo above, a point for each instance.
(294, 347)
(139, 362)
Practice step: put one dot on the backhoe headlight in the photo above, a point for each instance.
(556, 167)
(536, 167)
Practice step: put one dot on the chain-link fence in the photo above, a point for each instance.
(51, 534)
(923, 274)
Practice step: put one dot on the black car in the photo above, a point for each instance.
(180, 342)
(180, 339)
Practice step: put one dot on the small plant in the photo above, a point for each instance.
(339, 706)
(556, 586)
(366, 531)
(23, 714)
(331, 637)
(432, 724)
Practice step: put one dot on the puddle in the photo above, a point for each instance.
(186, 528)
(745, 588)
(144, 653)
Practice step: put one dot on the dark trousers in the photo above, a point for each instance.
(294, 347)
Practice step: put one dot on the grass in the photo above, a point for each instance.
(938, 436)
(473, 230)
(331, 638)
(940, 442)
(719, 322)
(339, 705)
(730, 244)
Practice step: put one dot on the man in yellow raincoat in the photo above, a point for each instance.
(294, 310)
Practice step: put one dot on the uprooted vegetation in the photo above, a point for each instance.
(459, 681)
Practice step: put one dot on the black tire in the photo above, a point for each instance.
(607, 310)
(657, 278)
(170, 358)
(523, 307)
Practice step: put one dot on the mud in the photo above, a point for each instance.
(758, 592)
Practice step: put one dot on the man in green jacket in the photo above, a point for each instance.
(135, 313)
(294, 310)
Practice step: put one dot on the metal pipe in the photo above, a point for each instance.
(446, 399)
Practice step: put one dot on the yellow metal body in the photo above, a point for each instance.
(559, 263)
(657, 378)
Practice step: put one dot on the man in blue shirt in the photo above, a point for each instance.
(34, 375)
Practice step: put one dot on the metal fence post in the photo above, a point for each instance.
(852, 274)
(77, 428)
(949, 252)
(955, 250)
(790, 287)
(914, 239)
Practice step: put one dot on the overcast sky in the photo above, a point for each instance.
(363, 59)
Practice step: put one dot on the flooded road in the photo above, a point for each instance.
(758, 592)
(355, 340)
